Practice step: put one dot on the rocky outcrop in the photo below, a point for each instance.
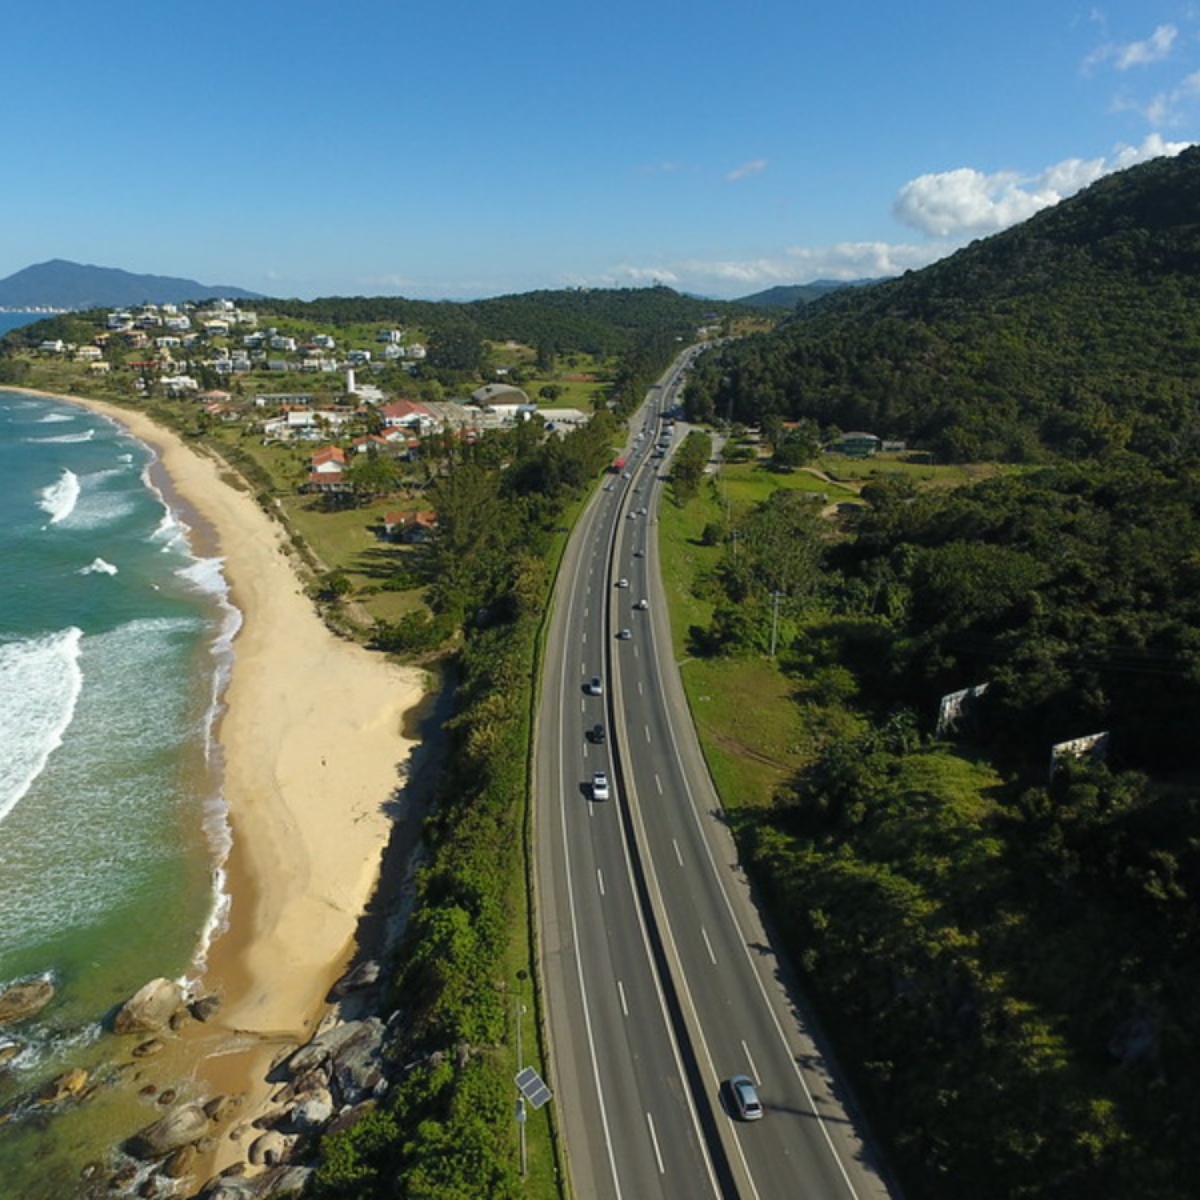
(150, 1009)
(23, 1000)
(279, 1181)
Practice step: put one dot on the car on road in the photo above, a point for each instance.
(631, 516)
(624, 634)
(642, 604)
(595, 686)
(596, 735)
(622, 582)
(744, 1096)
(600, 786)
(639, 553)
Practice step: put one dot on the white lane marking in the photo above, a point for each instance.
(600, 880)
(750, 1062)
(584, 638)
(678, 855)
(708, 946)
(621, 993)
(654, 1139)
(641, 690)
(658, 784)
(647, 729)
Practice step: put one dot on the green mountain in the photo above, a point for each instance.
(1076, 333)
(797, 294)
(68, 285)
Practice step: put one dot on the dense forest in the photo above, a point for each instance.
(1076, 333)
(598, 321)
(1007, 958)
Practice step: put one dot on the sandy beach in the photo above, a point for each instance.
(313, 749)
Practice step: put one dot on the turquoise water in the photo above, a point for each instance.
(114, 642)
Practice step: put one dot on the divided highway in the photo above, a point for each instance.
(658, 976)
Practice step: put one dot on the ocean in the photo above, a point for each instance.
(114, 647)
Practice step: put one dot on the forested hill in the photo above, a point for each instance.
(1076, 333)
(594, 320)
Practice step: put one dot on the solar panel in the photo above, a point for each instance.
(533, 1087)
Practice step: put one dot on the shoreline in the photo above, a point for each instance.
(312, 750)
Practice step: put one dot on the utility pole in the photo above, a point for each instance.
(520, 1011)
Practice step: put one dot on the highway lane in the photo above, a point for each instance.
(624, 1100)
(663, 984)
(805, 1146)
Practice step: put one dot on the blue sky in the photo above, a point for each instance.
(470, 149)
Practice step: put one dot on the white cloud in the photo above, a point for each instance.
(968, 203)
(1153, 49)
(755, 167)
(726, 278)
(1166, 108)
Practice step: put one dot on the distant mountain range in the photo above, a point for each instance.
(59, 284)
(794, 295)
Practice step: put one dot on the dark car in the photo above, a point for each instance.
(596, 734)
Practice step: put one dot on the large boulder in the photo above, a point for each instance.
(150, 1008)
(358, 1063)
(312, 1113)
(25, 999)
(182, 1126)
(270, 1149)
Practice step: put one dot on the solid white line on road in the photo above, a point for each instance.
(708, 945)
(654, 1138)
(750, 1062)
(621, 993)
(600, 880)
(678, 856)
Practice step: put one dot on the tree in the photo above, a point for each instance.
(372, 474)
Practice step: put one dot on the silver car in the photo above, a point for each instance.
(745, 1099)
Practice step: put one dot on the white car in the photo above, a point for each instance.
(595, 686)
(622, 582)
(642, 604)
(600, 786)
(624, 634)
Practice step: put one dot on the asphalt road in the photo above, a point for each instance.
(659, 977)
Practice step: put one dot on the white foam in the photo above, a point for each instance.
(40, 682)
(59, 498)
(85, 436)
(55, 418)
(98, 566)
